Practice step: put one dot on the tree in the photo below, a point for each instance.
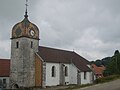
(98, 63)
(113, 66)
(116, 52)
(105, 61)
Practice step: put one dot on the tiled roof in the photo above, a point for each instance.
(4, 67)
(63, 56)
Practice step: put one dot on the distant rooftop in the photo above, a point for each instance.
(4, 67)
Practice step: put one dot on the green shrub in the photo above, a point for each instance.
(107, 79)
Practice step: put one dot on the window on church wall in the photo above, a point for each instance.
(85, 75)
(31, 44)
(66, 71)
(53, 71)
(17, 44)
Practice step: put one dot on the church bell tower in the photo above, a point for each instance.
(24, 45)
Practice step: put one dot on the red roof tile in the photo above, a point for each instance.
(4, 67)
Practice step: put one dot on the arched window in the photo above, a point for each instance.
(66, 71)
(53, 71)
(85, 75)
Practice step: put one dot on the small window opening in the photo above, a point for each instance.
(66, 71)
(31, 44)
(17, 44)
(4, 81)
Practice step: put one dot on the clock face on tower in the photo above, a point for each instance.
(32, 32)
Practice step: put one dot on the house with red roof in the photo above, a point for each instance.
(98, 70)
(4, 72)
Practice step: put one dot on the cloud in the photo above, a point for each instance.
(4, 49)
(90, 27)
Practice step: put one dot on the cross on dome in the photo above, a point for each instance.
(26, 9)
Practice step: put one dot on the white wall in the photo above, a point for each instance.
(70, 79)
(88, 79)
(52, 81)
(7, 81)
(73, 74)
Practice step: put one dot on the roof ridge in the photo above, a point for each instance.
(57, 49)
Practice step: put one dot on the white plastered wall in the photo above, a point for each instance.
(88, 79)
(73, 74)
(52, 81)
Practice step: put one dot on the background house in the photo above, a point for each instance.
(98, 70)
(4, 72)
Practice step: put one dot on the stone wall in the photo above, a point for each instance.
(23, 62)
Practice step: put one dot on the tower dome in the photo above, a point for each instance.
(25, 29)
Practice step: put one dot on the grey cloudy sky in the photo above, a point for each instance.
(90, 27)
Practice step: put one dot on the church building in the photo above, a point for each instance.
(32, 65)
